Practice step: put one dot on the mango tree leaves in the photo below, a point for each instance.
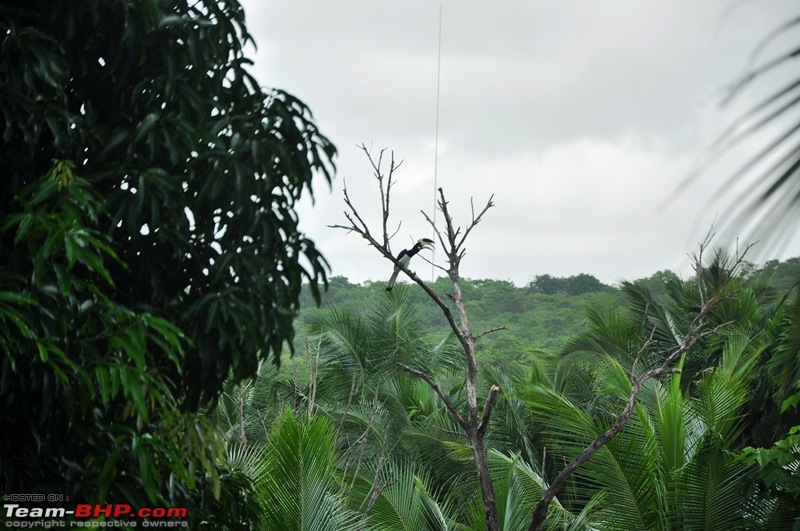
(158, 254)
(198, 167)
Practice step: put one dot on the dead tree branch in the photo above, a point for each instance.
(697, 329)
(452, 240)
(438, 390)
(490, 331)
(487, 410)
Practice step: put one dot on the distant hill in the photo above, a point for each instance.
(540, 316)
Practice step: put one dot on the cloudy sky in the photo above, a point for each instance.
(582, 118)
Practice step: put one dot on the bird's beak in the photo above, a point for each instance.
(428, 244)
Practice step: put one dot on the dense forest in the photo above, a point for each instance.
(723, 428)
(173, 353)
(542, 316)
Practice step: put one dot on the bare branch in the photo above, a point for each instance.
(490, 331)
(436, 230)
(313, 368)
(476, 220)
(450, 432)
(437, 266)
(487, 410)
(353, 211)
(399, 224)
(640, 353)
(697, 330)
(376, 489)
(377, 406)
(438, 390)
(385, 191)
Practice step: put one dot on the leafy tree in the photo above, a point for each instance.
(197, 166)
(658, 284)
(574, 285)
(780, 276)
(158, 254)
(82, 372)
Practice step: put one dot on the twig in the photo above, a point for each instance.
(375, 490)
(490, 331)
(487, 410)
(697, 330)
(642, 350)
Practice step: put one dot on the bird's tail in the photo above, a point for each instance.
(390, 285)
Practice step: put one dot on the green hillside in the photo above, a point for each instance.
(541, 316)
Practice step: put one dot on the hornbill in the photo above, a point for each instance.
(405, 257)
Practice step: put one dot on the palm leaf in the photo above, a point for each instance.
(710, 493)
(300, 491)
(770, 203)
(400, 496)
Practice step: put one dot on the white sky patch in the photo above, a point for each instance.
(583, 119)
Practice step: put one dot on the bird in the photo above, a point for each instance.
(405, 257)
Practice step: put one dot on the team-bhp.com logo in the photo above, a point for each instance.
(146, 516)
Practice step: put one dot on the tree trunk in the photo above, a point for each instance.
(487, 487)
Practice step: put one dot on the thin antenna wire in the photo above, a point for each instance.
(436, 143)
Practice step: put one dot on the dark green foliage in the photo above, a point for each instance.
(777, 467)
(235, 509)
(84, 374)
(575, 285)
(148, 242)
(197, 166)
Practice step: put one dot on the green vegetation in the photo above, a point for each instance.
(714, 444)
(535, 320)
(149, 242)
(151, 277)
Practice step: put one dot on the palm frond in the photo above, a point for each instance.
(300, 490)
(769, 205)
(400, 496)
(709, 493)
(247, 459)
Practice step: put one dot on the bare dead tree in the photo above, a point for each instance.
(475, 420)
(313, 369)
(697, 329)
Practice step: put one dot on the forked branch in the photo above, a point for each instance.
(452, 240)
(697, 329)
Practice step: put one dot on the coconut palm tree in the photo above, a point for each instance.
(675, 464)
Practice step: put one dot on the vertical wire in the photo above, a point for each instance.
(436, 142)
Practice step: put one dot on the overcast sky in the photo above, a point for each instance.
(582, 118)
